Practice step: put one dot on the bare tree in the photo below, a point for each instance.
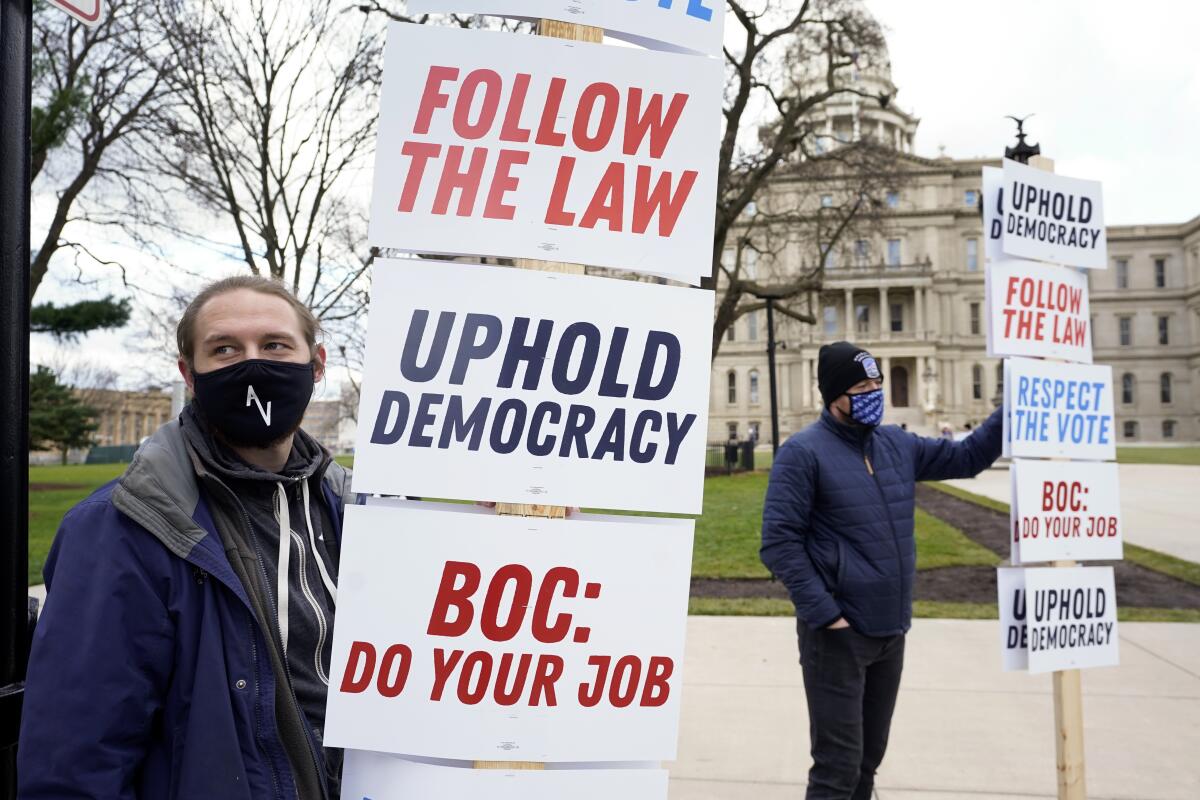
(786, 65)
(94, 92)
(265, 144)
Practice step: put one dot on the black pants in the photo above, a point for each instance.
(851, 682)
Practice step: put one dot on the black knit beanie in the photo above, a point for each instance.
(841, 365)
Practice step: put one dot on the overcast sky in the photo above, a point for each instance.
(1114, 86)
(1115, 89)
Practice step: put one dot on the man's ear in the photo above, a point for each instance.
(186, 372)
(319, 357)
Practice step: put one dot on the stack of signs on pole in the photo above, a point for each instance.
(1057, 405)
(463, 636)
(693, 26)
(529, 147)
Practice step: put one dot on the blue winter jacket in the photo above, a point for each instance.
(149, 677)
(838, 519)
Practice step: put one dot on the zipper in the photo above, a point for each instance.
(892, 525)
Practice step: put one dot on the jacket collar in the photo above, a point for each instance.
(856, 436)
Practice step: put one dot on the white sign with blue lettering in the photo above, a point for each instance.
(695, 26)
(1050, 217)
(493, 383)
(1058, 410)
(379, 776)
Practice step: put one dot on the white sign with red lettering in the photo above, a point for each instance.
(380, 776)
(479, 637)
(1038, 310)
(1058, 410)
(1014, 634)
(1051, 217)
(90, 12)
(1072, 618)
(531, 147)
(1065, 511)
(687, 25)
(534, 387)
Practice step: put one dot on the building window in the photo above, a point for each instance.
(897, 315)
(752, 326)
(977, 382)
(830, 321)
(1127, 389)
(754, 429)
(826, 201)
(970, 198)
(1130, 429)
(1000, 379)
(1164, 330)
(862, 318)
(830, 258)
(1160, 273)
(731, 332)
(1125, 330)
(1164, 388)
(731, 382)
(972, 255)
(753, 387)
(893, 199)
(862, 252)
(1122, 273)
(974, 319)
(893, 254)
(732, 428)
(1168, 429)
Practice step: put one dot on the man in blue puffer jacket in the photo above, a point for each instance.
(838, 532)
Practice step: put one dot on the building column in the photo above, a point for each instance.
(849, 326)
(805, 384)
(785, 386)
(885, 315)
(817, 402)
(919, 302)
(885, 366)
(934, 309)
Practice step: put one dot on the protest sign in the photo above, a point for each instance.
(695, 26)
(1050, 217)
(1058, 410)
(1072, 618)
(532, 147)
(993, 213)
(495, 638)
(1065, 511)
(1038, 310)
(1014, 634)
(491, 383)
(379, 776)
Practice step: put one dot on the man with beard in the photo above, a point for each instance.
(838, 532)
(184, 648)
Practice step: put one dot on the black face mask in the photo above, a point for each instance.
(255, 403)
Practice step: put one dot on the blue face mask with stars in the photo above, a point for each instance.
(867, 408)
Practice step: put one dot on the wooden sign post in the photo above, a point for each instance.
(578, 33)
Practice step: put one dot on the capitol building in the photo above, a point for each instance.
(912, 292)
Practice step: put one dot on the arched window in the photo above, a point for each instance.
(1164, 388)
(753, 386)
(1127, 388)
(731, 381)
(1130, 429)
(977, 382)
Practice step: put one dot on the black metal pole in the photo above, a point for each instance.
(16, 20)
(771, 374)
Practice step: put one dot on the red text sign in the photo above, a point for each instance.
(1065, 511)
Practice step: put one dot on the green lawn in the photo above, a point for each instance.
(47, 507)
(1189, 456)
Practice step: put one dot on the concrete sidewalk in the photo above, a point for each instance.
(1158, 505)
(963, 728)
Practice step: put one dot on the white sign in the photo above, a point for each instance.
(467, 636)
(89, 12)
(1058, 410)
(1049, 217)
(1038, 310)
(531, 147)
(993, 213)
(1065, 511)
(378, 776)
(1014, 634)
(688, 25)
(492, 383)
(1072, 618)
